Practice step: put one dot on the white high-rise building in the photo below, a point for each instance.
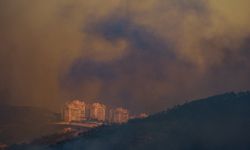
(74, 111)
(97, 111)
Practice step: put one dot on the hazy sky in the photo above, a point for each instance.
(145, 55)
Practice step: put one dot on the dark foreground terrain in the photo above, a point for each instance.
(21, 124)
(216, 123)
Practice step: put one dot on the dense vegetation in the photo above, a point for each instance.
(215, 123)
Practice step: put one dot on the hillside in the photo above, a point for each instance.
(19, 124)
(216, 123)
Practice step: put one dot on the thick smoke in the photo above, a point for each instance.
(145, 56)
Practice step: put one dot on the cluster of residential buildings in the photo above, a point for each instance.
(79, 111)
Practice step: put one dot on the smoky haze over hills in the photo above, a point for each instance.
(144, 56)
(23, 124)
(218, 122)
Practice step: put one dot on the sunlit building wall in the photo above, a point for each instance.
(98, 112)
(74, 111)
(120, 115)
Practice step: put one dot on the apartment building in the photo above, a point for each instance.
(74, 111)
(120, 115)
(98, 112)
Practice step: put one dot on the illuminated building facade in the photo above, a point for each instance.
(120, 115)
(79, 111)
(74, 111)
(98, 112)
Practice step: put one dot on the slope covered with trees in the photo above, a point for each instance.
(216, 123)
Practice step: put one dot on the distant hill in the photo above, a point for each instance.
(216, 123)
(19, 124)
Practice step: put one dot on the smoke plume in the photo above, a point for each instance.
(142, 55)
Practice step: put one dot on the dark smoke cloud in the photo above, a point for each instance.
(146, 57)
(135, 77)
